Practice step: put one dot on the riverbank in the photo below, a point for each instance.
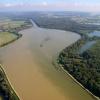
(7, 91)
(7, 37)
(62, 68)
(10, 41)
(73, 59)
(95, 97)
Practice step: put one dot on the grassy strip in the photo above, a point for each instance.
(17, 36)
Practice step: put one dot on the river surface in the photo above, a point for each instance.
(95, 33)
(86, 46)
(28, 65)
(89, 44)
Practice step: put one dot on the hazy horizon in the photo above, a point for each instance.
(50, 5)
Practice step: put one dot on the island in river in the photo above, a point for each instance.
(30, 69)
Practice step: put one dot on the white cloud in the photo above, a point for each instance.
(8, 5)
(44, 3)
(49, 6)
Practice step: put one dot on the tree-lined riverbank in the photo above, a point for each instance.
(83, 67)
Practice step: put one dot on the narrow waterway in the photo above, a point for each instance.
(86, 46)
(89, 44)
(28, 65)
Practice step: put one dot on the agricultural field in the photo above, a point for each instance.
(9, 29)
(7, 23)
(6, 37)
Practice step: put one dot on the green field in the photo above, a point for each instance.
(6, 37)
(6, 24)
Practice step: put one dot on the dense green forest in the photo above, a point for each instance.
(84, 67)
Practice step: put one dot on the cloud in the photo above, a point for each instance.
(44, 3)
(51, 6)
(9, 5)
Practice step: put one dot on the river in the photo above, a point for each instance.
(28, 65)
(89, 44)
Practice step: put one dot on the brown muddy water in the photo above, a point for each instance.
(28, 65)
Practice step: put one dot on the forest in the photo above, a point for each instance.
(83, 67)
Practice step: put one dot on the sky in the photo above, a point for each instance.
(50, 5)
